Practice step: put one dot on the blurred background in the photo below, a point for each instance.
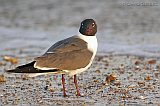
(29, 27)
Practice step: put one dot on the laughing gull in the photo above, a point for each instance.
(69, 56)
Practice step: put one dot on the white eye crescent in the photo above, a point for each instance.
(93, 25)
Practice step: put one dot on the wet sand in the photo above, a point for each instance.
(135, 81)
(122, 29)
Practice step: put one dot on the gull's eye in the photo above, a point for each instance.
(93, 25)
(82, 25)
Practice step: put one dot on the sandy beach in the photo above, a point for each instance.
(111, 80)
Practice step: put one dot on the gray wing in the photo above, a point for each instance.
(69, 54)
(69, 44)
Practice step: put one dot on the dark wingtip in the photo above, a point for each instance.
(23, 68)
(10, 71)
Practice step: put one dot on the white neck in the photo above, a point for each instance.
(92, 42)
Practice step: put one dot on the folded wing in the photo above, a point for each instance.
(69, 54)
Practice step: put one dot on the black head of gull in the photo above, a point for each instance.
(88, 27)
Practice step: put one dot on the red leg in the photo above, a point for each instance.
(63, 85)
(75, 82)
